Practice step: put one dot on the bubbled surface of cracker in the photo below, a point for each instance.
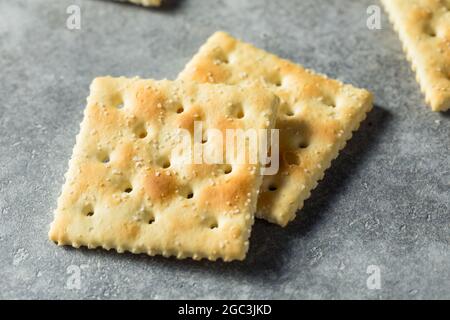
(126, 187)
(316, 116)
(424, 29)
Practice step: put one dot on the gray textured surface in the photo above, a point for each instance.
(385, 201)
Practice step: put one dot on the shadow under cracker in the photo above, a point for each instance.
(169, 5)
(445, 114)
(262, 261)
(269, 243)
(355, 153)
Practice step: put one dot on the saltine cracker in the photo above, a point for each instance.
(126, 189)
(316, 117)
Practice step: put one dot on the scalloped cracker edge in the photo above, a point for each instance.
(127, 189)
(316, 117)
(424, 29)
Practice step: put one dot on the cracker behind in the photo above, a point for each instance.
(316, 117)
(125, 189)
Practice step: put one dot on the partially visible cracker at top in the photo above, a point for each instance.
(316, 116)
(129, 186)
(147, 3)
(424, 29)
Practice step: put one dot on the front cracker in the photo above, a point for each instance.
(128, 186)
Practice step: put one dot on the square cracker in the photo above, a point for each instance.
(424, 29)
(126, 188)
(316, 116)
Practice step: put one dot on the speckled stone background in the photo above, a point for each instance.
(384, 202)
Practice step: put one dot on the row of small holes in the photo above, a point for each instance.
(89, 210)
(141, 132)
(166, 164)
(328, 103)
(90, 213)
(151, 220)
(227, 170)
(122, 105)
(105, 159)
